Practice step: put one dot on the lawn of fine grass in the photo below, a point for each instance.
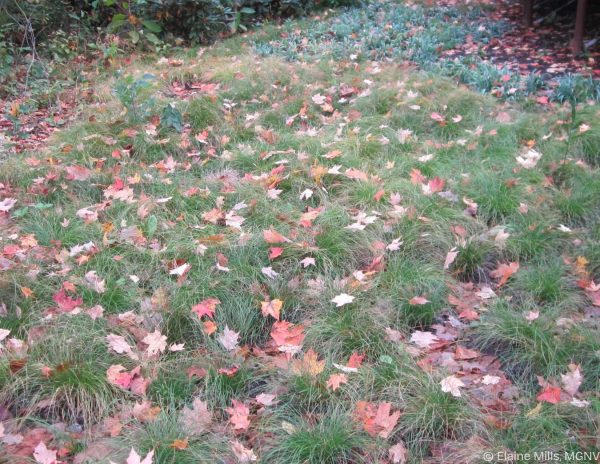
(303, 259)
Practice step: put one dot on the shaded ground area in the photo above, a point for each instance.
(544, 47)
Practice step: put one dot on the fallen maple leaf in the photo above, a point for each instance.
(206, 307)
(238, 415)
(118, 375)
(266, 399)
(209, 327)
(287, 336)
(272, 236)
(269, 272)
(335, 380)
(180, 270)
(504, 271)
(550, 394)
(94, 282)
(9, 438)
(275, 252)
(242, 453)
(416, 178)
(309, 364)
(423, 339)
(452, 385)
(135, 458)
(196, 419)
(272, 308)
(43, 455)
(532, 315)
(376, 422)
(229, 339)
(157, 342)
(529, 159)
(27, 292)
(463, 353)
(64, 302)
(145, 412)
(318, 99)
(139, 384)
(7, 204)
(355, 360)
(79, 173)
(308, 262)
(342, 299)
(119, 345)
(437, 117)
(433, 186)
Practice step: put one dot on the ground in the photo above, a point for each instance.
(317, 253)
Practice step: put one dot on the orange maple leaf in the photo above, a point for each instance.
(504, 271)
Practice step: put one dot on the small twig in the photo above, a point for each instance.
(29, 38)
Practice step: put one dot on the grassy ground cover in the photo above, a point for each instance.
(273, 250)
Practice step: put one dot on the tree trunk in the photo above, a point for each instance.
(577, 44)
(527, 12)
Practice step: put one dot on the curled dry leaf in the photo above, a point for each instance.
(418, 300)
(450, 257)
(242, 453)
(398, 453)
(572, 380)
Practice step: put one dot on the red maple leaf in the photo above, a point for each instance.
(275, 252)
(65, 302)
(206, 307)
(550, 394)
(436, 184)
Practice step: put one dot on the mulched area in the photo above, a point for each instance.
(545, 47)
(34, 127)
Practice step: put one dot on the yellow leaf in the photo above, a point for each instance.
(580, 264)
(309, 364)
(535, 411)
